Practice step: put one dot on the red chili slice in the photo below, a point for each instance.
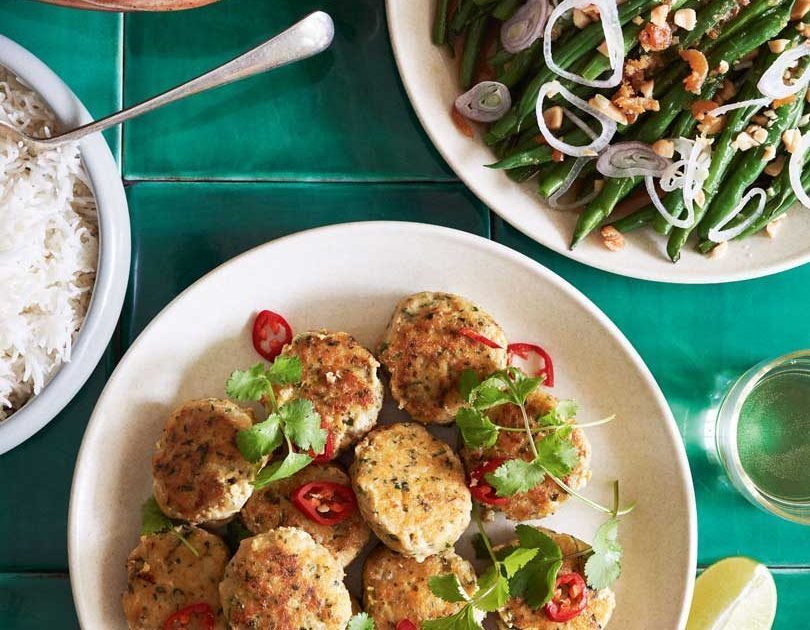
(406, 624)
(525, 351)
(328, 453)
(570, 598)
(182, 619)
(270, 332)
(481, 490)
(471, 334)
(325, 502)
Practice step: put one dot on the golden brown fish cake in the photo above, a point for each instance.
(164, 576)
(424, 352)
(198, 473)
(339, 377)
(545, 498)
(411, 489)
(283, 580)
(601, 603)
(271, 507)
(396, 587)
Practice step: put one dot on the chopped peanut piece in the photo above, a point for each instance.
(700, 198)
(712, 124)
(791, 139)
(685, 18)
(612, 238)
(658, 15)
(598, 185)
(647, 88)
(553, 117)
(799, 10)
(581, 19)
(608, 109)
(722, 67)
(700, 69)
(664, 148)
(778, 45)
(769, 153)
(719, 250)
(758, 133)
(602, 48)
(775, 167)
(744, 141)
(772, 229)
(638, 20)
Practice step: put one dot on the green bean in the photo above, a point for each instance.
(464, 14)
(506, 9)
(636, 220)
(521, 64)
(531, 157)
(440, 23)
(472, 49)
(707, 18)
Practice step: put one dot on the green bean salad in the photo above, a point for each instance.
(687, 117)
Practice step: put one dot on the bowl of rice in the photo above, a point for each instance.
(64, 249)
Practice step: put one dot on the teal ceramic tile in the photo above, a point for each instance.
(694, 340)
(36, 486)
(36, 601)
(182, 231)
(82, 47)
(793, 593)
(342, 115)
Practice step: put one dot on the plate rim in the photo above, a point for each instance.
(417, 229)
(112, 272)
(628, 271)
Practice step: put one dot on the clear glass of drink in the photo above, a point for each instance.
(762, 435)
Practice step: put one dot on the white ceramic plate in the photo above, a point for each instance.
(430, 78)
(114, 250)
(349, 277)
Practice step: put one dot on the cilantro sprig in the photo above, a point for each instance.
(295, 423)
(360, 621)
(154, 521)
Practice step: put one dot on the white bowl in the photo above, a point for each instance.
(430, 77)
(114, 250)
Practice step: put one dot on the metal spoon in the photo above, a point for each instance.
(306, 38)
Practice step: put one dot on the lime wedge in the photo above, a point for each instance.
(733, 594)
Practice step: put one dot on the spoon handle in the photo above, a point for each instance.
(306, 38)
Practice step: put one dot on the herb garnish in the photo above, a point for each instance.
(154, 521)
(295, 423)
(360, 621)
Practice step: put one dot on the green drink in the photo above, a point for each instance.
(763, 436)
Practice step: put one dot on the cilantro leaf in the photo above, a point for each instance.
(515, 475)
(360, 621)
(281, 469)
(302, 424)
(447, 587)
(476, 429)
(493, 591)
(560, 415)
(605, 566)
(286, 370)
(467, 382)
(522, 385)
(153, 520)
(536, 581)
(250, 384)
(261, 439)
(465, 619)
(519, 558)
(557, 454)
(493, 392)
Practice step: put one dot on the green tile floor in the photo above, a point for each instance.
(332, 140)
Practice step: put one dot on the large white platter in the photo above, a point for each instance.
(430, 78)
(349, 277)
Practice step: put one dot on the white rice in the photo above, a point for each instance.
(48, 249)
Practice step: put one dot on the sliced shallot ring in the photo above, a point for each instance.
(579, 123)
(485, 102)
(618, 161)
(772, 83)
(554, 200)
(525, 27)
(690, 187)
(672, 177)
(795, 170)
(724, 109)
(609, 18)
(587, 150)
(719, 235)
(649, 182)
